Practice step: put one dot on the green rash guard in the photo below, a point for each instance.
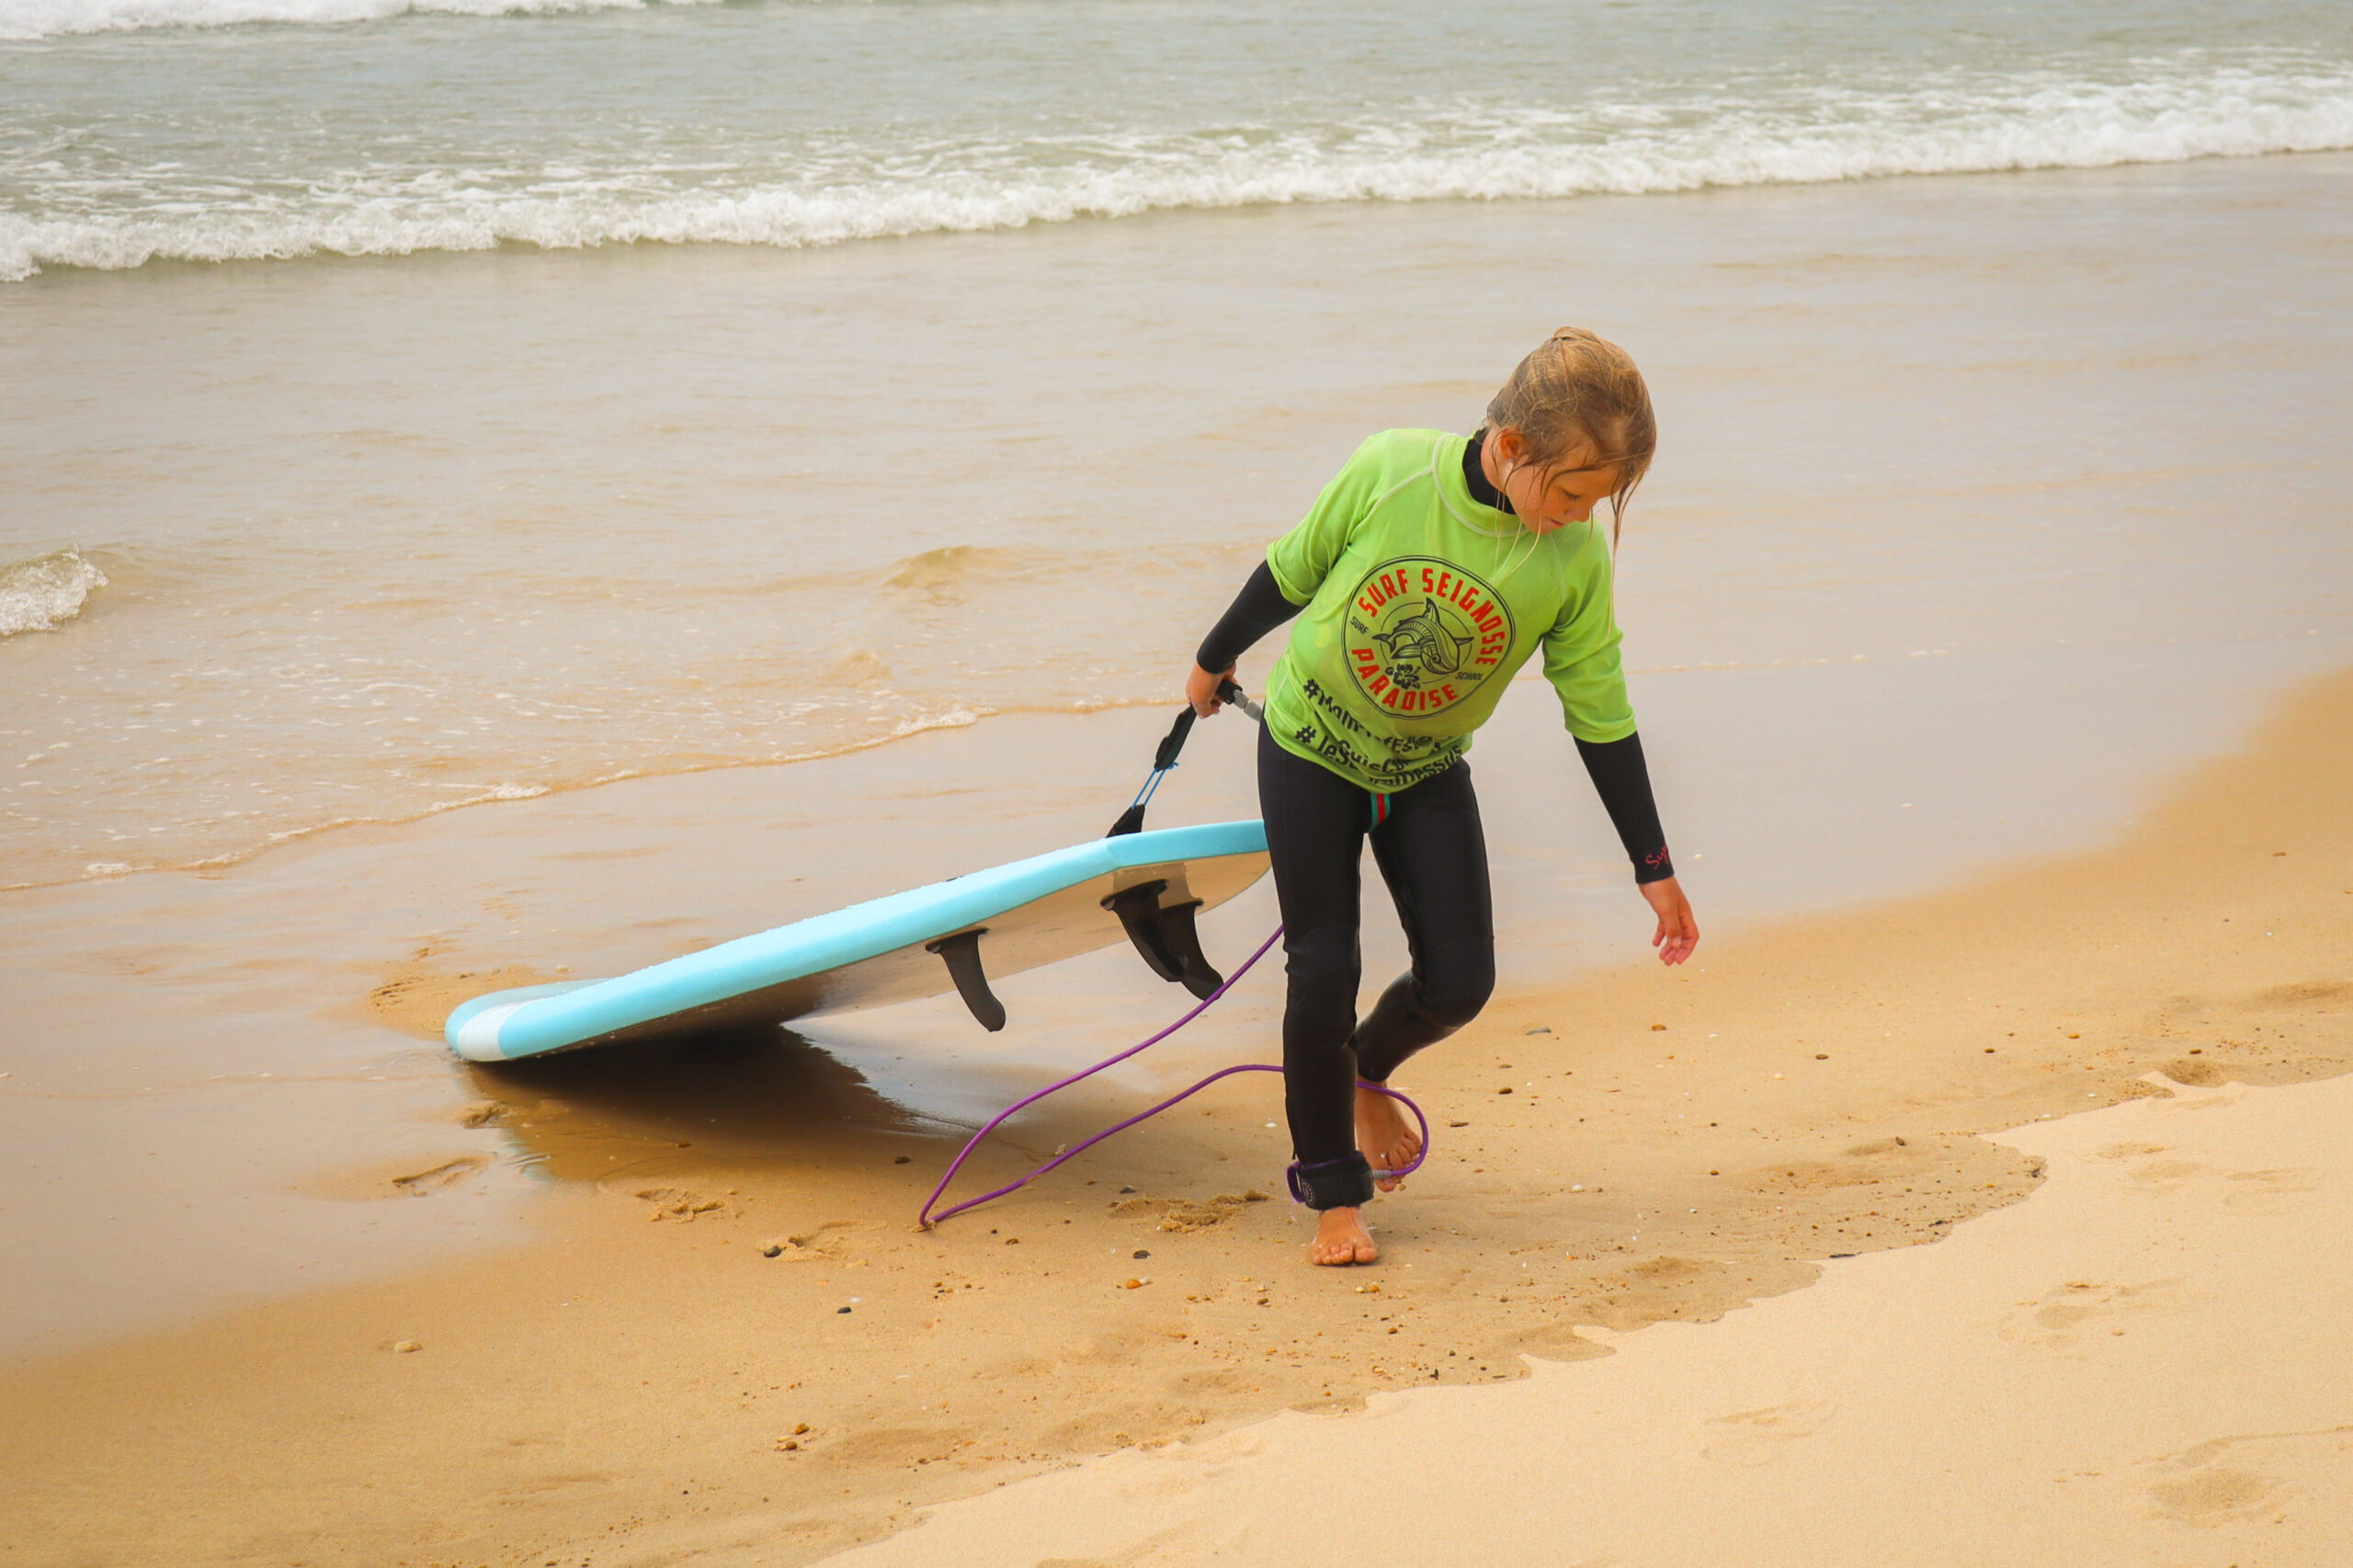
(1420, 605)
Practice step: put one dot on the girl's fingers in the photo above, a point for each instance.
(1675, 940)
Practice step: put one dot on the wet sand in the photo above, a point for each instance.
(1626, 1148)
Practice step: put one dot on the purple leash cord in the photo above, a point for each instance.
(927, 1218)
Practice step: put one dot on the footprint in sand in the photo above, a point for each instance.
(2260, 1192)
(413, 1177)
(448, 1173)
(2216, 1482)
(1749, 1438)
(2083, 1310)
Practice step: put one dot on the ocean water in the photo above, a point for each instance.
(138, 129)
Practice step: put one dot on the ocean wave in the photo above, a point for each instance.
(29, 19)
(2039, 121)
(45, 592)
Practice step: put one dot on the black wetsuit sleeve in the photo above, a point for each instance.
(1258, 610)
(1623, 781)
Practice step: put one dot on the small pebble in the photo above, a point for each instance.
(1013, 1241)
(1503, 1091)
(1542, 1028)
(902, 1159)
(1821, 1056)
(1141, 1253)
(771, 1250)
(1458, 1124)
(788, 1445)
(406, 1345)
(800, 1428)
(838, 1310)
(1126, 1189)
(1657, 1026)
(1133, 1285)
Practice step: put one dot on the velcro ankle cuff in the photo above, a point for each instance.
(1344, 1183)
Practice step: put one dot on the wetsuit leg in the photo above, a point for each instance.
(1433, 854)
(1315, 827)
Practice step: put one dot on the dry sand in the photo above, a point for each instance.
(2144, 1363)
(645, 1385)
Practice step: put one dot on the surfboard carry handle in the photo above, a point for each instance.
(962, 953)
(1164, 936)
(1165, 758)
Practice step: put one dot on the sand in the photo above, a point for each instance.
(644, 1383)
(2143, 1363)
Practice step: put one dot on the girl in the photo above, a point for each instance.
(1428, 571)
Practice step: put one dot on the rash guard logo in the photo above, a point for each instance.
(1423, 635)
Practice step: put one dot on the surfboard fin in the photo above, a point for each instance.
(1166, 938)
(962, 953)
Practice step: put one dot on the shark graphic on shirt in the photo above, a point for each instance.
(1420, 645)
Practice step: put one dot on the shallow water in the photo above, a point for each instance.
(383, 537)
(1985, 502)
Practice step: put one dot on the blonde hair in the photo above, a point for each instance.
(1578, 396)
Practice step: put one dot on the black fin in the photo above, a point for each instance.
(1183, 942)
(962, 953)
(1138, 910)
(1165, 938)
(1131, 821)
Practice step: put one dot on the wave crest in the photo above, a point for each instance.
(2036, 121)
(29, 19)
(47, 591)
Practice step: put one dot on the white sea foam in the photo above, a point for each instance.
(2035, 120)
(60, 18)
(47, 591)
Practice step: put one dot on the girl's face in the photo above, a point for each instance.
(1547, 498)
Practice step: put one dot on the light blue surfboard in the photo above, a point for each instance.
(950, 935)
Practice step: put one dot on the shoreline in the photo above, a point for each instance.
(620, 1389)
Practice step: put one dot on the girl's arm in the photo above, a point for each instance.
(1581, 659)
(1623, 781)
(1257, 610)
(1297, 563)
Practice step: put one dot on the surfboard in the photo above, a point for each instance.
(1146, 887)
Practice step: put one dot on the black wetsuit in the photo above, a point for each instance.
(1428, 843)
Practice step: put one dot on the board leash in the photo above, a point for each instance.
(1162, 761)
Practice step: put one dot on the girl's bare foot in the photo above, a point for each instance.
(1385, 1138)
(1341, 1239)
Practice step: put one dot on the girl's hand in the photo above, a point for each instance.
(1677, 932)
(1200, 690)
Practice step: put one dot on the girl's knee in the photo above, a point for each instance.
(1323, 961)
(1323, 968)
(1457, 983)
